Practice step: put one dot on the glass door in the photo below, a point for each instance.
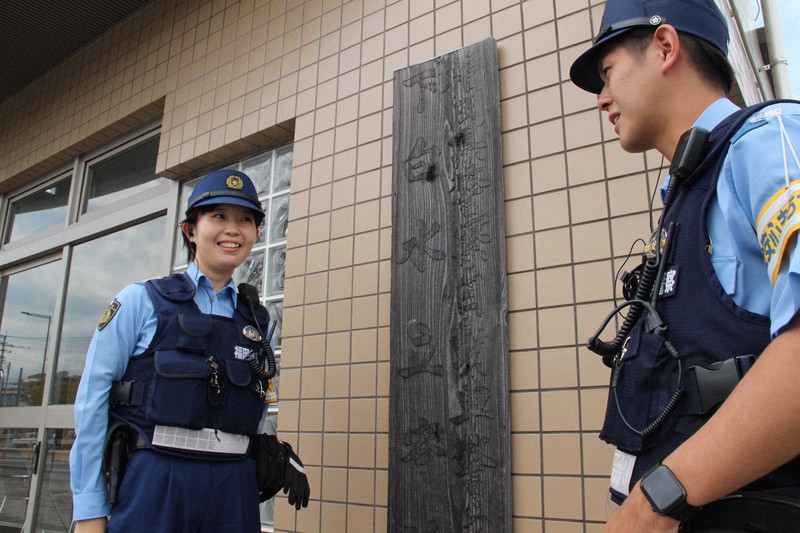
(29, 305)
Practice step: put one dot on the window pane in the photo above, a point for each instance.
(279, 218)
(262, 230)
(30, 301)
(42, 209)
(55, 503)
(259, 168)
(122, 175)
(99, 270)
(283, 168)
(276, 269)
(251, 271)
(15, 476)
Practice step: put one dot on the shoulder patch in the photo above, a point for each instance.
(777, 222)
(109, 314)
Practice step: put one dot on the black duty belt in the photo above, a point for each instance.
(768, 511)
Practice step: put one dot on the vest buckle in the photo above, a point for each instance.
(716, 381)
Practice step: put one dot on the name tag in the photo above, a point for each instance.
(622, 471)
(670, 283)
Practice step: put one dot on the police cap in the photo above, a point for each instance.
(225, 187)
(701, 18)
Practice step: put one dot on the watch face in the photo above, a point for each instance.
(663, 489)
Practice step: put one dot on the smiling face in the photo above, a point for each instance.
(223, 238)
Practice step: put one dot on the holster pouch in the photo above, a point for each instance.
(270, 458)
(115, 456)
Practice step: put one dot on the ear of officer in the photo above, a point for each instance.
(681, 94)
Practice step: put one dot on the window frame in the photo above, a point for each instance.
(122, 143)
(25, 192)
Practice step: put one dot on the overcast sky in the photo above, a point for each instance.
(789, 13)
(789, 16)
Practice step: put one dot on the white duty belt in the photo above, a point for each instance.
(200, 440)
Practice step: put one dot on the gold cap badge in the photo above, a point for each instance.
(234, 182)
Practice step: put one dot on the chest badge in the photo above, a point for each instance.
(656, 245)
(670, 282)
(251, 333)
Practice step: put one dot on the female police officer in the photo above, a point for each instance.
(722, 278)
(171, 362)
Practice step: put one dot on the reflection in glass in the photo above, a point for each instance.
(55, 501)
(29, 303)
(99, 270)
(276, 269)
(122, 175)
(251, 271)
(259, 169)
(283, 168)
(16, 468)
(279, 218)
(40, 210)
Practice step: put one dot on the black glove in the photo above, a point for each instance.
(278, 467)
(295, 482)
(270, 457)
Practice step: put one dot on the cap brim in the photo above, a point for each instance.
(585, 70)
(229, 200)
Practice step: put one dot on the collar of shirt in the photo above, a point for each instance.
(708, 119)
(210, 302)
(715, 113)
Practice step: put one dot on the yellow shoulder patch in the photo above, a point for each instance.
(109, 313)
(778, 221)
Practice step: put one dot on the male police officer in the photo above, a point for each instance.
(720, 280)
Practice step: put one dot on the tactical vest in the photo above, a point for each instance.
(193, 375)
(705, 326)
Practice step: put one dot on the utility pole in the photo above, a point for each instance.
(778, 66)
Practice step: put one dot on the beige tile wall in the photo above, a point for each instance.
(225, 73)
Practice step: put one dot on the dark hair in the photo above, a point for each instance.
(192, 217)
(710, 62)
(707, 59)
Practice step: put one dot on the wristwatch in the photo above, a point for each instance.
(665, 493)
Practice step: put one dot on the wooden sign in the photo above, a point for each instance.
(449, 451)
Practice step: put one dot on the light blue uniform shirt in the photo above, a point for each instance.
(752, 173)
(127, 335)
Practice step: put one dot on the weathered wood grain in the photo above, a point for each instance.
(449, 459)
